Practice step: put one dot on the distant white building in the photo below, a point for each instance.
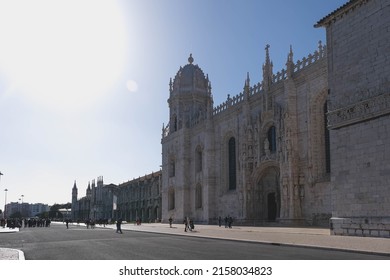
(38, 208)
(26, 209)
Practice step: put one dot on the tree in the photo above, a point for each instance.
(43, 215)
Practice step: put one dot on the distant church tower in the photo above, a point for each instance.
(89, 191)
(74, 201)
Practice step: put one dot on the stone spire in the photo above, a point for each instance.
(247, 81)
(89, 191)
(74, 192)
(267, 69)
(290, 62)
(247, 86)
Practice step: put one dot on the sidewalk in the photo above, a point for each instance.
(288, 236)
(10, 254)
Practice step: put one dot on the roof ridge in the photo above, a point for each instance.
(340, 12)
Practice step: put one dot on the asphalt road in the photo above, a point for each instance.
(80, 243)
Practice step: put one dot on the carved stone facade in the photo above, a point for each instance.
(136, 199)
(358, 36)
(96, 204)
(302, 146)
(140, 199)
(258, 157)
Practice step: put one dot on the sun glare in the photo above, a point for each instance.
(62, 53)
(132, 85)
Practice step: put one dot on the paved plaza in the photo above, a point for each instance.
(287, 236)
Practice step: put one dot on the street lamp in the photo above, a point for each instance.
(21, 206)
(5, 203)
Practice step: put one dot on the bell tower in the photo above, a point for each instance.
(190, 106)
(74, 200)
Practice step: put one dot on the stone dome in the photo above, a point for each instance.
(189, 79)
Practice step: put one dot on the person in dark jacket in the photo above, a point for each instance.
(118, 226)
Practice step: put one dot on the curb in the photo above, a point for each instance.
(11, 254)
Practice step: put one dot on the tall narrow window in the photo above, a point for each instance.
(272, 139)
(327, 139)
(232, 163)
(171, 168)
(198, 196)
(174, 123)
(198, 159)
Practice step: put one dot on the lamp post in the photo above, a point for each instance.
(21, 206)
(5, 203)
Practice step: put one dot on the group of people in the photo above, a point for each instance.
(90, 223)
(27, 222)
(228, 221)
(188, 224)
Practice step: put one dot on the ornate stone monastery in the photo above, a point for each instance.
(301, 146)
(307, 145)
(261, 156)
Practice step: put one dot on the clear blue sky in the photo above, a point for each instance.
(84, 84)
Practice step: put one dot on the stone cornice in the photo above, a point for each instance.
(359, 112)
(340, 12)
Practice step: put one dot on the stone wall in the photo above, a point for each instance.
(361, 169)
(361, 226)
(358, 39)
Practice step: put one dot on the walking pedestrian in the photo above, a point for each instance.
(185, 222)
(170, 222)
(230, 221)
(219, 221)
(118, 225)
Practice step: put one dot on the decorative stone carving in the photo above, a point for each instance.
(361, 111)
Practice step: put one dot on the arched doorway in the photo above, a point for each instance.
(266, 204)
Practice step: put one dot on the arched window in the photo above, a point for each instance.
(327, 139)
(198, 196)
(171, 199)
(198, 159)
(232, 163)
(272, 139)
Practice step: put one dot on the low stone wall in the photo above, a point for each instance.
(361, 226)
